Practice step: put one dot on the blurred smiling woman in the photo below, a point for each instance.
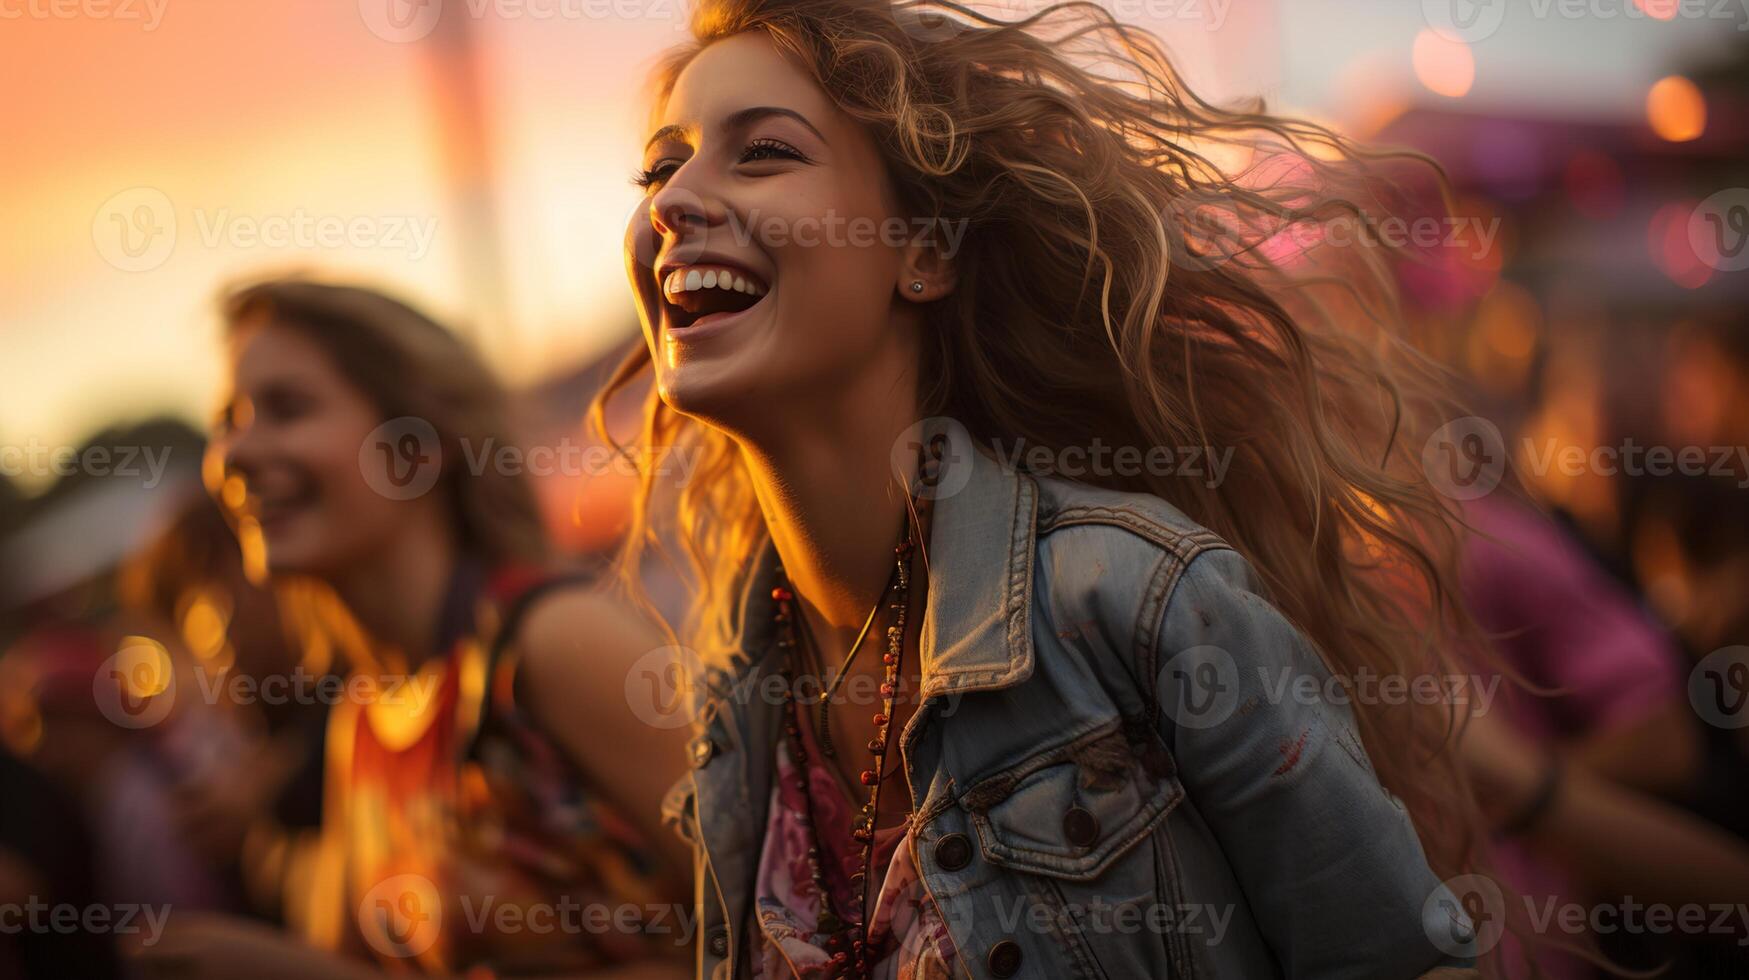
(476, 765)
(1010, 699)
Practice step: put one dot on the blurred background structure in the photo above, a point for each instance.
(475, 156)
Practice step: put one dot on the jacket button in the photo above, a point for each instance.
(953, 852)
(718, 941)
(702, 748)
(1080, 827)
(1004, 958)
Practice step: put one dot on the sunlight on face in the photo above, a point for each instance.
(758, 181)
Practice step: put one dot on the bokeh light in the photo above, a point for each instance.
(1445, 65)
(1676, 109)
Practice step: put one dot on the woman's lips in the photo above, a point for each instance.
(707, 325)
(705, 298)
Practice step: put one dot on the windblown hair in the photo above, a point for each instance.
(1122, 280)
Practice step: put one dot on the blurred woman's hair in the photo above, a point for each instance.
(409, 365)
(1123, 280)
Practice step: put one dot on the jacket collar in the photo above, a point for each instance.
(977, 623)
(977, 629)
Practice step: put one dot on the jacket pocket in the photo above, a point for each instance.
(1072, 811)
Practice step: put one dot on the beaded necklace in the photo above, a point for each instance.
(846, 933)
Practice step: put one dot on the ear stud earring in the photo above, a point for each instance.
(917, 285)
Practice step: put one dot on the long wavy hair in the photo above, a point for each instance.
(1125, 243)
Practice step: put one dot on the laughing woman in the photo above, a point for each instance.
(481, 813)
(960, 717)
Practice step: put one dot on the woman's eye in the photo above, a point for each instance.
(655, 175)
(284, 406)
(770, 149)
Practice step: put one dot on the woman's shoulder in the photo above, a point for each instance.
(1134, 562)
(1065, 505)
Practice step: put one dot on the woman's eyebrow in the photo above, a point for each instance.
(752, 114)
(737, 120)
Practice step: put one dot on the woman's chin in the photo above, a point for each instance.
(706, 391)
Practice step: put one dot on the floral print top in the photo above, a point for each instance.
(908, 930)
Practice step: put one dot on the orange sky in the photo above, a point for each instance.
(234, 118)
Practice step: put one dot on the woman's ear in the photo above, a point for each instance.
(926, 269)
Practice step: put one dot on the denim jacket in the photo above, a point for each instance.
(1078, 811)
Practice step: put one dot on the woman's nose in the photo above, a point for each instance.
(678, 211)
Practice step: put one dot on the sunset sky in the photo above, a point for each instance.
(238, 119)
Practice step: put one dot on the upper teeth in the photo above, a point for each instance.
(710, 277)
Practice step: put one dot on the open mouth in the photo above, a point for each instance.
(696, 296)
(277, 506)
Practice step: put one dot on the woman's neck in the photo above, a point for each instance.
(831, 499)
(397, 594)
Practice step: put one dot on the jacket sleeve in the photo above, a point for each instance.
(1268, 753)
